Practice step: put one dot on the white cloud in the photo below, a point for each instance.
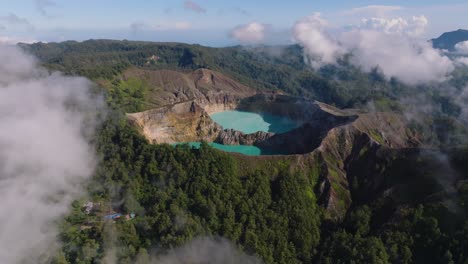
(388, 44)
(412, 61)
(319, 47)
(415, 26)
(43, 155)
(462, 47)
(250, 33)
(418, 26)
(373, 10)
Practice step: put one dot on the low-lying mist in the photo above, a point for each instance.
(45, 155)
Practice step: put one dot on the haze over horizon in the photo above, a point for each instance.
(215, 23)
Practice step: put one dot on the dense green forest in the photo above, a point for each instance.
(269, 209)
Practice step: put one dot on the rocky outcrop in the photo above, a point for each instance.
(234, 137)
(183, 122)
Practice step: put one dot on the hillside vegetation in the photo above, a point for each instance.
(394, 204)
(266, 67)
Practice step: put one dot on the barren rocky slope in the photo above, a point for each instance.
(207, 88)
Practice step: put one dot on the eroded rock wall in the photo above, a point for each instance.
(183, 122)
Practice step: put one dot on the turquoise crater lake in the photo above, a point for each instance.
(248, 122)
(243, 149)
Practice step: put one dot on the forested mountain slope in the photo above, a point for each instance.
(277, 67)
(367, 193)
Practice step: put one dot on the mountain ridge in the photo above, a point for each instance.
(448, 40)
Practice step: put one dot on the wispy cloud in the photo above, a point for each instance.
(373, 10)
(193, 6)
(168, 26)
(241, 11)
(137, 26)
(43, 5)
(234, 10)
(14, 20)
(182, 25)
(14, 40)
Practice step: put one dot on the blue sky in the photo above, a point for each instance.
(207, 22)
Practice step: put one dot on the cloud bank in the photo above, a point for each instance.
(388, 44)
(412, 27)
(251, 33)
(44, 156)
(409, 60)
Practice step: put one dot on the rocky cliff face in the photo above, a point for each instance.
(234, 137)
(183, 122)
